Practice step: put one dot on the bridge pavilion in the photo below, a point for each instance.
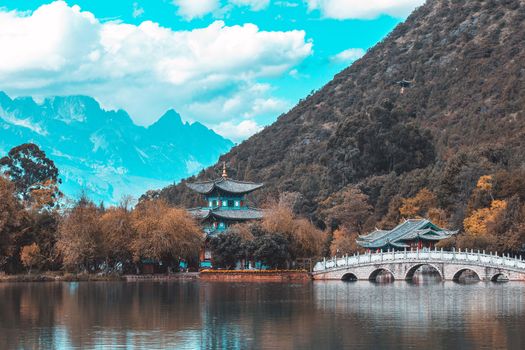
(411, 234)
(225, 206)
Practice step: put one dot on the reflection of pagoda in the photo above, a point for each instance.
(225, 206)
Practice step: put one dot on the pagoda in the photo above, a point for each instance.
(410, 234)
(225, 206)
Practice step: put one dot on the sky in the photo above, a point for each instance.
(233, 65)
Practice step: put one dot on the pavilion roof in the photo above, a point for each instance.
(409, 230)
(228, 214)
(224, 184)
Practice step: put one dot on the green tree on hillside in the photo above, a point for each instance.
(34, 175)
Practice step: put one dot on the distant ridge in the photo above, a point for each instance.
(103, 152)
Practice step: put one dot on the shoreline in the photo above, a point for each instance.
(206, 275)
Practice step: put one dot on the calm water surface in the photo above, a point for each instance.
(317, 315)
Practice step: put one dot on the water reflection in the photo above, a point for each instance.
(322, 315)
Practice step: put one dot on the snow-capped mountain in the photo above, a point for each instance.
(103, 152)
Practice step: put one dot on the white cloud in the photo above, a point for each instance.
(238, 131)
(208, 74)
(249, 100)
(191, 9)
(137, 10)
(255, 5)
(347, 9)
(286, 4)
(348, 55)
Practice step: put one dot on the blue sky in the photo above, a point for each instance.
(234, 65)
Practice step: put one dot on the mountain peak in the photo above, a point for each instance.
(169, 119)
(166, 125)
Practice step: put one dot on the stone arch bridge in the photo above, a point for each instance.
(403, 264)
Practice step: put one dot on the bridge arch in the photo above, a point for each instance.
(376, 272)
(458, 273)
(349, 277)
(410, 272)
(496, 277)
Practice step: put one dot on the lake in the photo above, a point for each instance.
(316, 315)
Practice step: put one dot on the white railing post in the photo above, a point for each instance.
(324, 262)
(441, 253)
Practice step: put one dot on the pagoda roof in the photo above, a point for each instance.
(228, 214)
(224, 184)
(409, 230)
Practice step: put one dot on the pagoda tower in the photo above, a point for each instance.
(225, 206)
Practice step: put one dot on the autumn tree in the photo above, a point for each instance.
(79, 236)
(482, 195)
(344, 242)
(34, 175)
(279, 218)
(117, 234)
(305, 239)
(478, 222)
(13, 222)
(30, 256)
(349, 208)
(164, 233)
(419, 205)
(509, 226)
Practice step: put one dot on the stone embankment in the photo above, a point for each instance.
(255, 276)
(163, 277)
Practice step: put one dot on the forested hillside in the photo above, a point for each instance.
(459, 116)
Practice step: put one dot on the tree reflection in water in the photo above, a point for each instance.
(327, 315)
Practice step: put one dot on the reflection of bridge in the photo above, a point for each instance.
(403, 264)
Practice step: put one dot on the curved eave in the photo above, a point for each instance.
(380, 246)
(225, 185)
(199, 213)
(238, 214)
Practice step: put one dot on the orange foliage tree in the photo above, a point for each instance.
(306, 239)
(344, 242)
(163, 232)
(11, 220)
(118, 233)
(30, 256)
(419, 205)
(476, 224)
(79, 236)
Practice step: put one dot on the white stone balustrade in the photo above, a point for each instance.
(401, 264)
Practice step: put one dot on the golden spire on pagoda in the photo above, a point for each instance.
(224, 173)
